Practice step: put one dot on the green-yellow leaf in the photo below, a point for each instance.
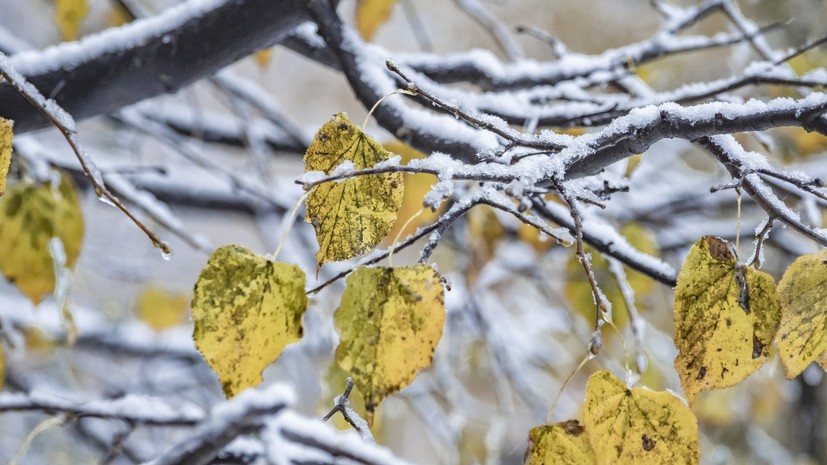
(30, 216)
(726, 316)
(370, 14)
(161, 309)
(564, 443)
(352, 216)
(802, 335)
(638, 426)
(246, 309)
(5, 151)
(69, 15)
(389, 322)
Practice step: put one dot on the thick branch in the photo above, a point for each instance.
(118, 67)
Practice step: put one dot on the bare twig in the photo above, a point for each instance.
(602, 306)
(494, 27)
(343, 406)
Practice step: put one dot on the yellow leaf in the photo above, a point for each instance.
(802, 335)
(246, 309)
(822, 360)
(69, 14)
(370, 14)
(564, 443)
(352, 216)
(5, 151)
(117, 16)
(725, 318)
(638, 426)
(632, 163)
(579, 293)
(264, 57)
(161, 309)
(37, 340)
(416, 186)
(30, 216)
(389, 322)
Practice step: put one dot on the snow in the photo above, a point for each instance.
(70, 54)
(137, 408)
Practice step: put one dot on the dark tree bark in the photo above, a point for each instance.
(164, 62)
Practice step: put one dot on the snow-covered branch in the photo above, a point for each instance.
(117, 67)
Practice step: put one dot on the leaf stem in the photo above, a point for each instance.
(287, 225)
(399, 233)
(375, 105)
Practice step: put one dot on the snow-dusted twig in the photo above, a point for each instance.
(602, 305)
(730, 154)
(636, 324)
(244, 414)
(133, 409)
(342, 405)
(434, 230)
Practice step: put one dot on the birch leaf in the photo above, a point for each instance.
(69, 14)
(564, 443)
(30, 216)
(389, 322)
(161, 309)
(370, 14)
(802, 336)
(246, 309)
(5, 151)
(725, 318)
(638, 426)
(352, 216)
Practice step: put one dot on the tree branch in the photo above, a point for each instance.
(146, 58)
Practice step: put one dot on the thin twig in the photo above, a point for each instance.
(342, 405)
(755, 261)
(445, 220)
(473, 121)
(602, 307)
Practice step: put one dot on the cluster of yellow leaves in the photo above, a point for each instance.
(31, 215)
(5, 151)
(370, 14)
(69, 14)
(726, 315)
(246, 309)
(350, 217)
(620, 426)
(161, 309)
(389, 323)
